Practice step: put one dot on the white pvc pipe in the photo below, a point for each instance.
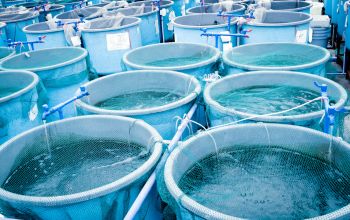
(152, 179)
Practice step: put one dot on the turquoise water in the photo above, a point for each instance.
(277, 58)
(271, 183)
(179, 61)
(76, 165)
(139, 100)
(268, 99)
(8, 91)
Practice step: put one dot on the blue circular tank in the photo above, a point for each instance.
(159, 114)
(278, 26)
(54, 36)
(61, 70)
(19, 103)
(116, 36)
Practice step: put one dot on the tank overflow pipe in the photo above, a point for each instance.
(152, 179)
(59, 108)
(330, 112)
(160, 14)
(243, 33)
(75, 24)
(15, 44)
(220, 13)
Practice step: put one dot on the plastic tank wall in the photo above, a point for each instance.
(276, 56)
(292, 138)
(105, 201)
(219, 115)
(61, 71)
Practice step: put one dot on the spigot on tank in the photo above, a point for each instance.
(59, 108)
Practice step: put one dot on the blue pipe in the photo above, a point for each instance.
(14, 44)
(59, 108)
(75, 23)
(230, 16)
(156, 3)
(330, 111)
(217, 35)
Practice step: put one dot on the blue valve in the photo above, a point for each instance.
(217, 35)
(14, 44)
(75, 23)
(59, 108)
(323, 87)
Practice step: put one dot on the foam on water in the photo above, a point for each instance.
(266, 183)
(179, 61)
(268, 99)
(8, 91)
(139, 100)
(76, 165)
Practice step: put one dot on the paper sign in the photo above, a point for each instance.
(301, 36)
(76, 42)
(119, 41)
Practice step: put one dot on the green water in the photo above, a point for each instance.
(269, 99)
(8, 91)
(139, 100)
(179, 61)
(260, 183)
(76, 165)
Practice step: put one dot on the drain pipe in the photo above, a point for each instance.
(14, 44)
(152, 179)
(217, 35)
(59, 108)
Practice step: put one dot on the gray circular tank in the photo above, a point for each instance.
(263, 171)
(96, 165)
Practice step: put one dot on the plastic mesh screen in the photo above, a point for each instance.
(265, 183)
(74, 164)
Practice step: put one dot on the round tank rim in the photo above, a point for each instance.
(25, 29)
(214, 58)
(189, 12)
(13, 52)
(34, 15)
(261, 24)
(135, 23)
(136, 15)
(203, 211)
(209, 100)
(25, 89)
(187, 99)
(103, 190)
(170, 3)
(233, 22)
(67, 12)
(38, 69)
(230, 62)
(59, 7)
(307, 6)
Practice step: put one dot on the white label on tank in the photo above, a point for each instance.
(119, 41)
(33, 113)
(310, 35)
(76, 42)
(301, 36)
(90, 3)
(156, 26)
